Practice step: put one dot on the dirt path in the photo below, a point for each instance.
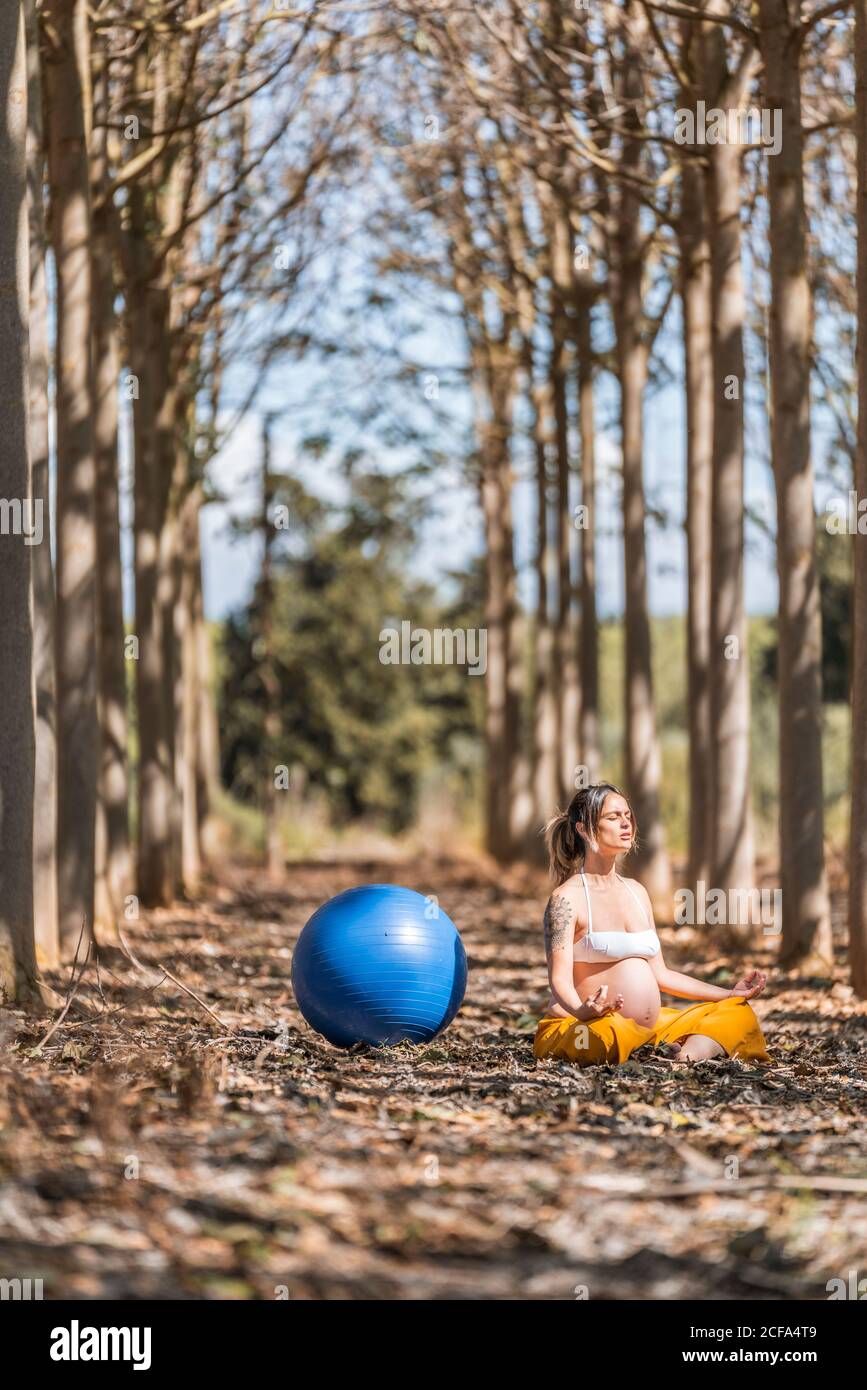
(145, 1153)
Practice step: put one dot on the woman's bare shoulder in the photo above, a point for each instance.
(637, 886)
(562, 912)
(565, 894)
(641, 893)
(571, 887)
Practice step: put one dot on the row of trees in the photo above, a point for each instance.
(557, 174)
(563, 177)
(165, 164)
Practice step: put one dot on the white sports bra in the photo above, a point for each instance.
(614, 945)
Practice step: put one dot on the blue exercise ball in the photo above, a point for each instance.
(379, 964)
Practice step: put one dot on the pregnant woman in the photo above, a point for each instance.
(605, 963)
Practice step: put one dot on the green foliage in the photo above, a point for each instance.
(362, 734)
(834, 560)
(392, 745)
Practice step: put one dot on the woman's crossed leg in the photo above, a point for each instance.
(696, 1047)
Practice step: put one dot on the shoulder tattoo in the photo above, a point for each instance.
(558, 919)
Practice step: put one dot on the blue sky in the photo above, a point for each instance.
(327, 395)
(454, 534)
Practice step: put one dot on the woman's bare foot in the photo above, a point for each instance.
(696, 1048)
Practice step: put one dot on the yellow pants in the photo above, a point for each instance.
(730, 1022)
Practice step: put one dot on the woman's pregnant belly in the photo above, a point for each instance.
(633, 978)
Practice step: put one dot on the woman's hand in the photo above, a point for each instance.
(597, 1005)
(749, 986)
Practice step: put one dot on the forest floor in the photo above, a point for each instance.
(147, 1152)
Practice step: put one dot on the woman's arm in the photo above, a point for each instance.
(559, 923)
(674, 981)
(685, 986)
(688, 987)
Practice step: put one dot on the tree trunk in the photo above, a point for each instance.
(546, 790)
(555, 190)
(568, 692)
(172, 469)
(590, 755)
(539, 789)
(806, 909)
(113, 859)
(643, 762)
(731, 836)
(154, 863)
(17, 736)
(522, 834)
(858, 822)
(695, 292)
(500, 712)
(191, 857)
(208, 734)
(267, 668)
(45, 821)
(77, 729)
(493, 370)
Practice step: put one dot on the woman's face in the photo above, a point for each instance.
(616, 829)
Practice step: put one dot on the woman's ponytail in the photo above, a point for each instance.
(565, 846)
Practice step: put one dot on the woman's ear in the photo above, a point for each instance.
(588, 839)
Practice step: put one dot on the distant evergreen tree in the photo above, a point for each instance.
(365, 732)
